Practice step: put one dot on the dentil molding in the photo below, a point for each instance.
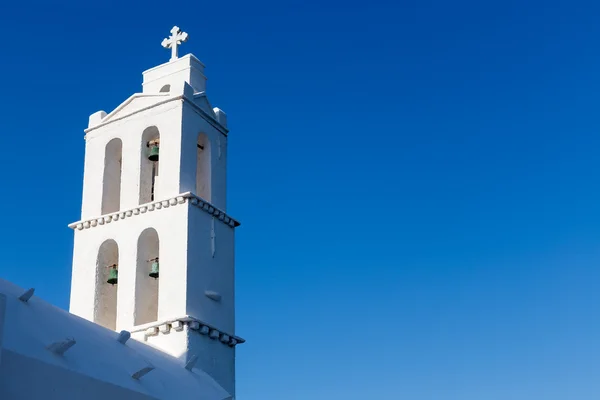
(183, 198)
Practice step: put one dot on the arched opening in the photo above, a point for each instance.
(149, 164)
(111, 183)
(105, 310)
(165, 89)
(203, 172)
(147, 278)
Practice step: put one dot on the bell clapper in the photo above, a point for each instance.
(154, 268)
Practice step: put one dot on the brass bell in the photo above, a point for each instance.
(154, 269)
(113, 275)
(153, 153)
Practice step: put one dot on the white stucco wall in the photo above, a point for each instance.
(195, 245)
(171, 225)
(146, 287)
(188, 268)
(194, 124)
(208, 273)
(179, 125)
(187, 68)
(167, 119)
(214, 357)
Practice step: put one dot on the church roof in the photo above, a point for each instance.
(33, 333)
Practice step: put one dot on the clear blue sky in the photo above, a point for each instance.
(418, 182)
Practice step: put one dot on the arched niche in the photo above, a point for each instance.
(148, 168)
(203, 167)
(105, 300)
(111, 181)
(165, 89)
(146, 287)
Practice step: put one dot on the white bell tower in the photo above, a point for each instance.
(154, 249)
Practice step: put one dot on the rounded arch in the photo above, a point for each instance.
(146, 286)
(105, 301)
(165, 89)
(111, 182)
(149, 164)
(203, 167)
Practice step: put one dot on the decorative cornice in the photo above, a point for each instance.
(207, 117)
(154, 206)
(209, 208)
(107, 120)
(178, 324)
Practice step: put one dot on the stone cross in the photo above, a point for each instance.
(177, 37)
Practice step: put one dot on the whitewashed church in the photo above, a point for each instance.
(152, 312)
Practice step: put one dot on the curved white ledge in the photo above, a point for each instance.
(154, 206)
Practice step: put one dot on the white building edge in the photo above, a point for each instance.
(153, 259)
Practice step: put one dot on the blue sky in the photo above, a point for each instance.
(417, 182)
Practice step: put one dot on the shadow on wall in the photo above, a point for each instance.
(149, 167)
(105, 301)
(111, 191)
(203, 173)
(146, 286)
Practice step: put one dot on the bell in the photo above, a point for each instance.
(154, 270)
(153, 153)
(112, 276)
